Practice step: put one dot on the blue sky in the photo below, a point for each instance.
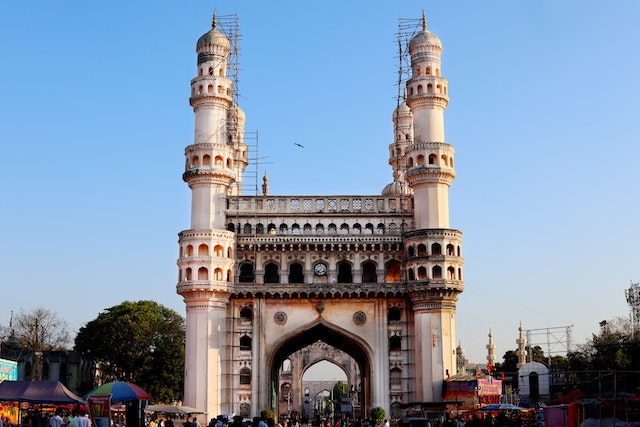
(543, 114)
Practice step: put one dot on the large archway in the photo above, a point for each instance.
(333, 336)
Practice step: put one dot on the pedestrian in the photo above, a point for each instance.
(56, 420)
(195, 422)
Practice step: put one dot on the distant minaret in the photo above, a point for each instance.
(491, 350)
(522, 348)
(461, 361)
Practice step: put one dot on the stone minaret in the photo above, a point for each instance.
(521, 352)
(434, 260)
(213, 169)
(491, 351)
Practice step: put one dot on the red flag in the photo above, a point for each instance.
(489, 367)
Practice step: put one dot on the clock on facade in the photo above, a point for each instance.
(320, 269)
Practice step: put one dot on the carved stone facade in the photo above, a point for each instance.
(367, 282)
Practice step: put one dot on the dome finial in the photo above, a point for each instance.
(424, 21)
(213, 21)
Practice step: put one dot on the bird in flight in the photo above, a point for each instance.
(299, 145)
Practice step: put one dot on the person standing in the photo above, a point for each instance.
(83, 420)
(56, 420)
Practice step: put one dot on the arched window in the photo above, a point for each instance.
(295, 229)
(380, 229)
(432, 159)
(412, 275)
(189, 250)
(245, 376)
(422, 273)
(210, 89)
(286, 365)
(218, 250)
(368, 229)
(283, 229)
(450, 250)
(203, 273)
(420, 89)
(410, 162)
(429, 88)
(394, 314)
(285, 392)
(295, 273)
(451, 273)
(332, 229)
(420, 160)
(211, 71)
(271, 273)
(306, 230)
(229, 252)
(410, 251)
(271, 229)
(393, 272)
(206, 160)
(319, 229)
(188, 273)
(246, 272)
(436, 272)
(369, 273)
(231, 227)
(203, 250)
(245, 343)
(221, 72)
(422, 250)
(395, 343)
(218, 273)
(260, 228)
(246, 313)
(344, 229)
(344, 272)
(195, 162)
(436, 249)
(444, 159)
(218, 161)
(428, 71)
(459, 274)
(229, 163)
(246, 229)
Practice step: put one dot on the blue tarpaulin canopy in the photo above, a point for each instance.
(53, 392)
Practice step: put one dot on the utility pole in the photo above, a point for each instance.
(37, 353)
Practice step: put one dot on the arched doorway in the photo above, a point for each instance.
(333, 336)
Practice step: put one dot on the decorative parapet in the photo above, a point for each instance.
(313, 205)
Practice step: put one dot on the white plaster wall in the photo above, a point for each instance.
(431, 204)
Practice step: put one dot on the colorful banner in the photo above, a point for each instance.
(8, 370)
(489, 387)
(100, 410)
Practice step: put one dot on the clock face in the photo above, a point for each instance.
(320, 269)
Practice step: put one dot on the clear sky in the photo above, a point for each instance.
(544, 116)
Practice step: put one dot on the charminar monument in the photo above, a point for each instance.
(274, 284)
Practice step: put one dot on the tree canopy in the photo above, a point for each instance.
(140, 342)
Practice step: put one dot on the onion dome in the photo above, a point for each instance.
(403, 110)
(397, 188)
(424, 38)
(212, 38)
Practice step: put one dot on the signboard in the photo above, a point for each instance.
(8, 370)
(100, 410)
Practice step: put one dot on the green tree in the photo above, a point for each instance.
(510, 362)
(377, 414)
(141, 342)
